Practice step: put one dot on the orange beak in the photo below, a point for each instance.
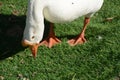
(33, 47)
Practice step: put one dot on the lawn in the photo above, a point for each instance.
(97, 59)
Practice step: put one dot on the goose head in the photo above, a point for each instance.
(32, 37)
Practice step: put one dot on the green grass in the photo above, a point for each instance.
(97, 59)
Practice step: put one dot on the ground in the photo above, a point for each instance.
(97, 59)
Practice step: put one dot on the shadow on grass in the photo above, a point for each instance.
(11, 30)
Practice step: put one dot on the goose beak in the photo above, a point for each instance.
(33, 47)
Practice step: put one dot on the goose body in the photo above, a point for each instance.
(61, 11)
(55, 11)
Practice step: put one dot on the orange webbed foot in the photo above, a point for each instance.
(77, 40)
(50, 41)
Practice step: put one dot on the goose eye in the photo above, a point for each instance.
(33, 37)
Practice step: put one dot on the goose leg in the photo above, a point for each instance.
(80, 38)
(51, 40)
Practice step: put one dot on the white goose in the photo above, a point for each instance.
(55, 11)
